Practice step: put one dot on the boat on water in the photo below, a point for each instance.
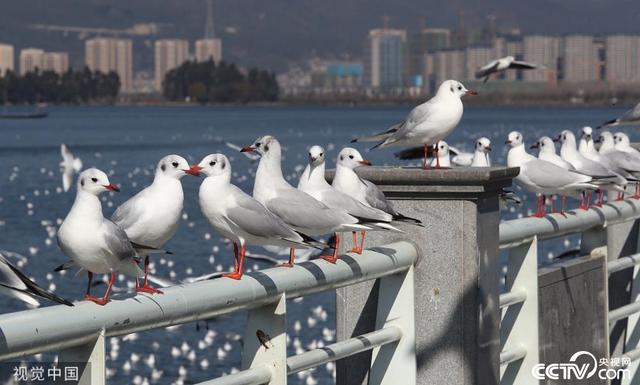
(24, 115)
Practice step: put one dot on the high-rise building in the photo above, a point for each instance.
(444, 65)
(31, 59)
(169, 54)
(111, 54)
(209, 49)
(622, 63)
(385, 64)
(477, 57)
(422, 43)
(57, 62)
(6, 58)
(581, 59)
(543, 51)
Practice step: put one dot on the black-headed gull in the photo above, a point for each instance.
(296, 208)
(481, 153)
(442, 159)
(93, 242)
(14, 283)
(69, 166)
(347, 181)
(625, 163)
(621, 142)
(428, 123)
(547, 151)
(503, 64)
(631, 117)
(239, 217)
(478, 158)
(313, 182)
(151, 217)
(543, 177)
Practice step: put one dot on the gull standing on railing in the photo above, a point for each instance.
(628, 163)
(14, 283)
(605, 178)
(313, 183)
(151, 217)
(547, 152)
(240, 218)
(92, 241)
(543, 177)
(428, 123)
(296, 208)
(347, 181)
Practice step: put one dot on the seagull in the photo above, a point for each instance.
(547, 152)
(69, 166)
(478, 158)
(251, 156)
(240, 218)
(442, 157)
(313, 183)
(622, 143)
(296, 208)
(626, 163)
(543, 177)
(348, 182)
(14, 283)
(607, 179)
(428, 123)
(503, 64)
(93, 242)
(631, 117)
(151, 217)
(481, 153)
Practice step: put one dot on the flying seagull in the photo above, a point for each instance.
(503, 64)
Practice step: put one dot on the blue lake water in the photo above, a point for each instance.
(128, 141)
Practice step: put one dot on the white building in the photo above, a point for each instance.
(622, 64)
(385, 64)
(6, 58)
(110, 54)
(31, 59)
(581, 62)
(169, 54)
(209, 49)
(57, 62)
(477, 57)
(544, 51)
(444, 65)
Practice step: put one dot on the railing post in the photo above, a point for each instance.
(519, 327)
(457, 316)
(632, 337)
(265, 340)
(92, 354)
(395, 363)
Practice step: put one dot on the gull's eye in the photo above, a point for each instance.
(341, 157)
(258, 145)
(350, 156)
(460, 88)
(212, 163)
(321, 154)
(442, 147)
(95, 180)
(174, 164)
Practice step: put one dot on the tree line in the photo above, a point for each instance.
(47, 86)
(208, 82)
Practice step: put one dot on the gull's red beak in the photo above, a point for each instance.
(193, 170)
(535, 145)
(364, 162)
(111, 187)
(507, 141)
(471, 92)
(247, 149)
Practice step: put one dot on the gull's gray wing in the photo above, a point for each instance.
(631, 115)
(548, 175)
(251, 216)
(301, 210)
(487, 70)
(8, 277)
(339, 200)
(595, 169)
(117, 241)
(624, 160)
(376, 198)
(522, 65)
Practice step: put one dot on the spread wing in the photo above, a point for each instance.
(632, 115)
(251, 216)
(487, 70)
(522, 65)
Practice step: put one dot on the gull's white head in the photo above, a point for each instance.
(214, 165)
(567, 137)
(316, 156)
(455, 88)
(510, 58)
(545, 145)
(351, 158)
(173, 166)
(587, 133)
(606, 141)
(621, 139)
(264, 146)
(443, 148)
(95, 182)
(483, 144)
(514, 139)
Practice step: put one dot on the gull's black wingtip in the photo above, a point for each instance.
(355, 140)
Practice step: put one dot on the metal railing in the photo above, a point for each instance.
(263, 293)
(519, 303)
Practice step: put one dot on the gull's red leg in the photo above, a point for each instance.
(145, 288)
(88, 293)
(425, 161)
(239, 269)
(362, 233)
(357, 249)
(333, 258)
(103, 301)
(553, 207)
(292, 259)
(563, 204)
(435, 150)
(599, 195)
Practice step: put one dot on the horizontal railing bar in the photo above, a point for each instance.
(512, 298)
(252, 376)
(624, 311)
(632, 355)
(623, 263)
(59, 327)
(343, 349)
(511, 355)
(518, 231)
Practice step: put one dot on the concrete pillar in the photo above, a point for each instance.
(457, 274)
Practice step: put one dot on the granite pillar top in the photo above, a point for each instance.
(459, 180)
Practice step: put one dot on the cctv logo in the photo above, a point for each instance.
(587, 368)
